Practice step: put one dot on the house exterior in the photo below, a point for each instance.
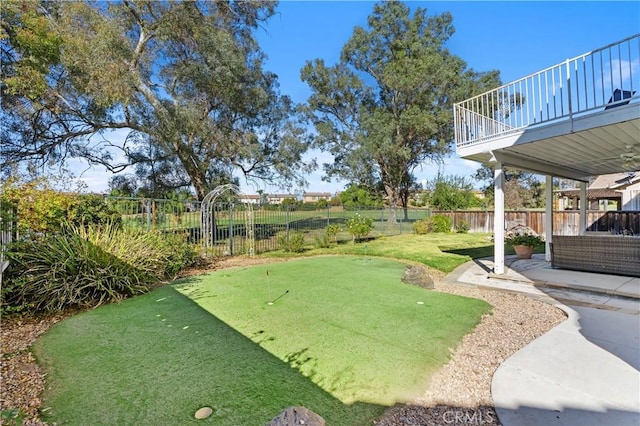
(314, 197)
(574, 120)
(623, 189)
(279, 198)
(249, 198)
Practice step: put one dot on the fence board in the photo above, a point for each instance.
(565, 222)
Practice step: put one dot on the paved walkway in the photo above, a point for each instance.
(584, 371)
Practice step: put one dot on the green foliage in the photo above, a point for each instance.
(356, 196)
(290, 202)
(322, 242)
(422, 226)
(359, 226)
(436, 223)
(451, 193)
(294, 242)
(332, 231)
(42, 209)
(91, 210)
(440, 223)
(521, 189)
(78, 65)
(88, 266)
(385, 108)
(13, 417)
(462, 227)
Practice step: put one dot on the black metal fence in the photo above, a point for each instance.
(8, 230)
(270, 223)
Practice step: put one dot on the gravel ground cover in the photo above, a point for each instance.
(460, 393)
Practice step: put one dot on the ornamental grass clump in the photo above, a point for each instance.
(521, 235)
(88, 266)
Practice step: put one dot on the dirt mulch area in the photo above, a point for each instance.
(460, 393)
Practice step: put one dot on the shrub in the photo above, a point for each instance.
(332, 232)
(294, 243)
(322, 242)
(359, 226)
(422, 226)
(462, 227)
(44, 210)
(83, 267)
(441, 223)
(91, 210)
(437, 223)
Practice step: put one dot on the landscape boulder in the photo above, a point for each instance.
(296, 416)
(419, 276)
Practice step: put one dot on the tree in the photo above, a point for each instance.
(521, 189)
(356, 196)
(186, 78)
(386, 107)
(451, 193)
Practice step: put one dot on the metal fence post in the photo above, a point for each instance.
(287, 221)
(230, 229)
(328, 215)
(148, 215)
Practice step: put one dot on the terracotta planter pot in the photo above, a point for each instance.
(523, 252)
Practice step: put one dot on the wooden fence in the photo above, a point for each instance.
(565, 222)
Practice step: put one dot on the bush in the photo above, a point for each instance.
(359, 226)
(44, 210)
(437, 223)
(294, 243)
(84, 267)
(332, 232)
(462, 227)
(441, 223)
(322, 242)
(422, 226)
(91, 210)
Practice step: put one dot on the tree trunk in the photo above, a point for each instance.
(394, 195)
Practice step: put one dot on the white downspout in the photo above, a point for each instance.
(548, 218)
(498, 221)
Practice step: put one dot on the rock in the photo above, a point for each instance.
(203, 413)
(419, 276)
(295, 416)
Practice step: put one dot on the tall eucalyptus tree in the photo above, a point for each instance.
(185, 79)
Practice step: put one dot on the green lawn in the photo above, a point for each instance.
(346, 340)
(441, 251)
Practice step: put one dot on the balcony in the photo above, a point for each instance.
(577, 119)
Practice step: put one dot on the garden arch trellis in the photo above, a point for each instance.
(208, 224)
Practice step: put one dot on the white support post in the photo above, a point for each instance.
(583, 207)
(548, 218)
(498, 221)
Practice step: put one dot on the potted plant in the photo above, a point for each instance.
(523, 239)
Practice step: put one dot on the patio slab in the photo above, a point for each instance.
(585, 371)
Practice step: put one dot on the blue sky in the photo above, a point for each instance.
(516, 38)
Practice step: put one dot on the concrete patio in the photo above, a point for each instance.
(585, 370)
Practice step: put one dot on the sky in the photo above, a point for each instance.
(516, 38)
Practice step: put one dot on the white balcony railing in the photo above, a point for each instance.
(598, 80)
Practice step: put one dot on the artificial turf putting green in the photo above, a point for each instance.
(347, 323)
(346, 340)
